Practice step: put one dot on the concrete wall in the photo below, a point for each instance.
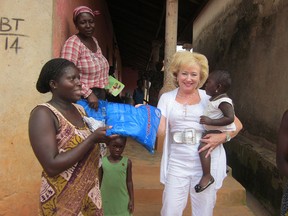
(249, 38)
(253, 165)
(31, 33)
(130, 77)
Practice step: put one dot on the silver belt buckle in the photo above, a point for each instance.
(188, 136)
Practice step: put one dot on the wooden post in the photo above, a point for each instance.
(170, 49)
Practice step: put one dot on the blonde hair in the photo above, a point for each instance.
(186, 58)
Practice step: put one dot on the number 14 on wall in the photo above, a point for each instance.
(11, 43)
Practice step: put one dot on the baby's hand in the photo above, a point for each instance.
(205, 120)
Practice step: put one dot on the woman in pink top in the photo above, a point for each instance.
(83, 50)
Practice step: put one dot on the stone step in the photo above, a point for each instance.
(231, 198)
(147, 188)
(148, 196)
(142, 209)
(237, 210)
(231, 193)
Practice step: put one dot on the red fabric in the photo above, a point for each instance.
(84, 9)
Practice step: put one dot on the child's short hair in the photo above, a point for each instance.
(222, 77)
(124, 138)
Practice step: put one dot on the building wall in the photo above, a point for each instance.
(254, 167)
(249, 38)
(20, 67)
(130, 77)
(31, 33)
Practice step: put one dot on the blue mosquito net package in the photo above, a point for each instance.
(100, 114)
(139, 123)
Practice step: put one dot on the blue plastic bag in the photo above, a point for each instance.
(100, 114)
(139, 123)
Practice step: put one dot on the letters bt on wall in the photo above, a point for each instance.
(10, 34)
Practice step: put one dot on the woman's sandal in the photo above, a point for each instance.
(198, 188)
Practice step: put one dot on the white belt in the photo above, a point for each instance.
(187, 136)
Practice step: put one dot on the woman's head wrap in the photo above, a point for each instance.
(84, 9)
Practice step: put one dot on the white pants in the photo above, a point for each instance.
(176, 193)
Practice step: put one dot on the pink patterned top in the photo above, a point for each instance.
(94, 67)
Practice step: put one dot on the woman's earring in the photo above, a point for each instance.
(216, 91)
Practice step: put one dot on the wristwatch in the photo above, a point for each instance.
(228, 137)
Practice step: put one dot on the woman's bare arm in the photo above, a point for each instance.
(162, 126)
(42, 134)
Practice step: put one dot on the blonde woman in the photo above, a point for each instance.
(181, 168)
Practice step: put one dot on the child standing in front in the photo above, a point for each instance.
(116, 183)
(219, 117)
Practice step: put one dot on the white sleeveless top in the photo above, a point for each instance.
(213, 112)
